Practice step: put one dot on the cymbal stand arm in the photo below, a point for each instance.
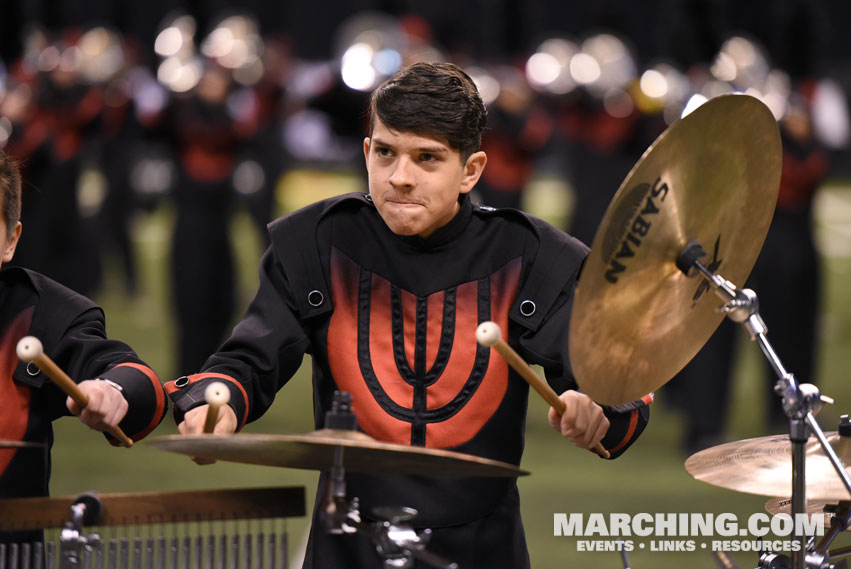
(838, 524)
(839, 467)
(799, 401)
(740, 305)
(840, 553)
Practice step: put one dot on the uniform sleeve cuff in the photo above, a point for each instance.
(187, 392)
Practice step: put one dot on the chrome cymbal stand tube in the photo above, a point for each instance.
(800, 401)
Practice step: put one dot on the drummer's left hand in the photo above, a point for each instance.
(582, 422)
(193, 424)
(194, 419)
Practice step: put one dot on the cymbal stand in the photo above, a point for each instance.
(800, 401)
(74, 546)
(395, 538)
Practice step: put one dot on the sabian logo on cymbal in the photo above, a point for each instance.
(630, 225)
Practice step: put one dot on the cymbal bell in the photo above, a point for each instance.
(712, 176)
(315, 451)
(763, 466)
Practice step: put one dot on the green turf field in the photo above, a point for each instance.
(649, 478)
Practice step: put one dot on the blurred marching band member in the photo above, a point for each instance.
(69, 111)
(787, 274)
(518, 130)
(207, 140)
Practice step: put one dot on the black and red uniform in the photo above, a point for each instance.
(392, 320)
(72, 330)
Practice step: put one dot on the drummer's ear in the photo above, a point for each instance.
(11, 242)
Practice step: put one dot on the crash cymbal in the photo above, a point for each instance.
(763, 466)
(713, 177)
(18, 444)
(814, 507)
(315, 451)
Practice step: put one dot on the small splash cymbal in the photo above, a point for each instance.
(712, 176)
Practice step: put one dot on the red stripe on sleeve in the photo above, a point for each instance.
(155, 420)
(633, 423)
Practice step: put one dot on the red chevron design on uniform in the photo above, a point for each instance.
(460, 395)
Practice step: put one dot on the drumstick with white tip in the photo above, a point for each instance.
(30, 349)
(216, 395)
(488, 334)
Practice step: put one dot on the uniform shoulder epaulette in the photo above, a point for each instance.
(294, 243)
(557, 263)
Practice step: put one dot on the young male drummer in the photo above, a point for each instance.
(385, 291)
(122, 390)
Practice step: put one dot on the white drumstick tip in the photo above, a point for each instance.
(488, 333)
(29, 349)
(217, 394)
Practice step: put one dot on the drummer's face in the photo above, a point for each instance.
(10, 241)
(415, 179)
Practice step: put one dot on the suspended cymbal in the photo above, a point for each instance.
(814, 507)
(763, 466)
(712, 176)
(315, 451)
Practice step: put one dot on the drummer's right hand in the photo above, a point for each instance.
(193, 424)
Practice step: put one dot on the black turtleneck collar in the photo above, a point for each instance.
(445, 233)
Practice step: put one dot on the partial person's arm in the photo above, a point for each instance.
(122, 390)
(264, 351)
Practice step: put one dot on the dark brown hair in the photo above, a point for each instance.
(436, 99)
(10, 186)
